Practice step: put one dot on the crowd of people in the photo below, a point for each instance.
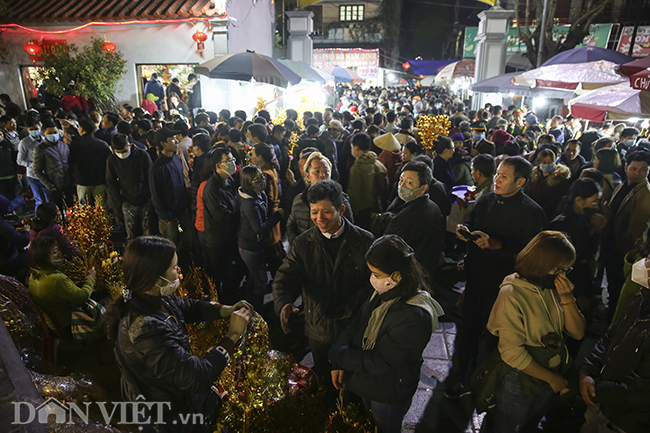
(355, 219)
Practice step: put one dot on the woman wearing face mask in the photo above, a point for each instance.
(549, 183)
(50, 288)
(45, 224)
(263, 157)
(581, 220)
(152, 348)
(535, 306)
(379, 356)
(256, 223)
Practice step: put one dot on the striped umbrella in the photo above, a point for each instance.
(247, 66)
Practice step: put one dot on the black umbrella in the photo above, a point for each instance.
(244, 66)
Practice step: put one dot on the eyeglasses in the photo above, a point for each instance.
(563, 271)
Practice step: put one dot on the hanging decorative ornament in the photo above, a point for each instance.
(108, 47)
(200, 37)
(32, 48)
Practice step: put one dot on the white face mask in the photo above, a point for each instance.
(382, 285)
(231, 168)
(170, 288)
(123, 155)
(640, 273)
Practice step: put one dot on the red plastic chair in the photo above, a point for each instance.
(53, 338)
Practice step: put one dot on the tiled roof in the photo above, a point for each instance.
(27, 11)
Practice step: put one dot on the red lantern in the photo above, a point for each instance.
(200, 37)
(32, 48)
(109, 47)
(406, 65)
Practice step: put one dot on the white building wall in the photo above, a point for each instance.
(140, 44)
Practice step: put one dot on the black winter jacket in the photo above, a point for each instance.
(153, 352)
(421, 225)
(51, 164)
(127, 180)
(332, 290)
(167, 184)
(300, 218)
(255, 222)
(88, 156)
(390, 372)
(620, 364)
(220, 211)
(514, 221)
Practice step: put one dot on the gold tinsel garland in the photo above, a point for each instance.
(264, 390)
(89, 229)
(430, 127)
(260, 105)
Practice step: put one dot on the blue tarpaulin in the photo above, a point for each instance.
(428, 67)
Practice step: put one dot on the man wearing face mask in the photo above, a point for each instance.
(221, 219)
(127, 181)
(614, 378)
(51, 166)
(326, 265)
(25, 159)
(479, 144)
(425, 239)
(88, 156)
(627, 140)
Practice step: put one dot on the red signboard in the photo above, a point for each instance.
(347, 58)
(642, 41)
(48, 47)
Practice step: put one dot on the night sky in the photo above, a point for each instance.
(427, 25)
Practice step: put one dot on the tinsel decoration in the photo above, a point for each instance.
(308, 104)
(89, 228)
(430, 127)
(280, 118)
(348, 419)
(263, 391)
(260, 105)
(293, 142)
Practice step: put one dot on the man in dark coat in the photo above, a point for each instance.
(326, 264)
(88, 156)
(221, 218)
(614, 378)
(419, 222)
(503, 222)
(168, 193)
(127, 181)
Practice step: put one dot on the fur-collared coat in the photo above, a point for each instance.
(548, 191)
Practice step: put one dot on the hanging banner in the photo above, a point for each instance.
(48, 47)
(347, 58)
(598, 37)
(641, 42)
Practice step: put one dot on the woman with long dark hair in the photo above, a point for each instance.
(152, 348)
(262, 156)
(379, 356)
(533, 309)
(582, 221)
(257, 221)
